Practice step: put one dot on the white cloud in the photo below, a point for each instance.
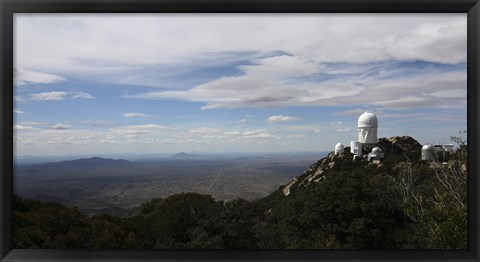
(298, 49)
(429, 87)
(354, 112)
(283, 66)
(258, 133)
(243, 121)
(23, 127)
(41, 141)
(110, 37)
(112, 47)
(60, 126)
(23, 77)
(82, 95)
(403, 102)
(136, 115)
(47, 96)
(342, 129)
(19, 112)
(270, 61)
(18, 99)
(337, 123)
(281, 118)
(302, 128)
(26, 141)
(33, 123)
(59, 95)
(133, 131)
(455, 93)
(427, 35)
(97, 123)
(339, 126)
(205, 131)
(296, 136)
(425, 117)
(232, 133)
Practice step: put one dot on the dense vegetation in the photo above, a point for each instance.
(400, 203)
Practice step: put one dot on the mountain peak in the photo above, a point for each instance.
(183, 155)
(396, 149)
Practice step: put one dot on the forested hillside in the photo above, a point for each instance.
(338, 203)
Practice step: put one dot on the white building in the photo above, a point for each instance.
(448, 147)
(339, 149)
(376, 154)
(428, 152)
(356, 148)
(367, 128)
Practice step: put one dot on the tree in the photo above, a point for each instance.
(434, 197)
(354, 209)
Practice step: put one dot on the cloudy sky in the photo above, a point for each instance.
(104, 83)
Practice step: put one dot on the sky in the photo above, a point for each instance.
(166, 83)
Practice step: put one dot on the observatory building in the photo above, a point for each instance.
(376, 154)
(339, 148)
(431, 152)
(428, 152)
(367, 128)
(356, 148)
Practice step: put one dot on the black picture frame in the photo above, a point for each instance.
(9, 7)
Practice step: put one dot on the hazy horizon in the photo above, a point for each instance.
(187, 152)
(38, 159)
(149, 83)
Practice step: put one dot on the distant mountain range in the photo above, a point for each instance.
(33, 160)
(99, 184)
(91, 162)
(184, 155)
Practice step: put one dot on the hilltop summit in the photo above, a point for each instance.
(397, 149)
(343, 201)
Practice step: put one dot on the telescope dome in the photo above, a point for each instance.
(427, 147)
(376, 150)
(339, 148)
(367, 119)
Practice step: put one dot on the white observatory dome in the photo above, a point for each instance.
(427, 147)
(367, 120)
(376, 150)
(367, 128)
(376, 154)
(428, 151)
(339, 148)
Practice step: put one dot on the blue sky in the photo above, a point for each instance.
(166, 83)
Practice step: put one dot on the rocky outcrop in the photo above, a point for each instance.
(395, 149)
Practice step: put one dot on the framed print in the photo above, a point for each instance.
(240, 130)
